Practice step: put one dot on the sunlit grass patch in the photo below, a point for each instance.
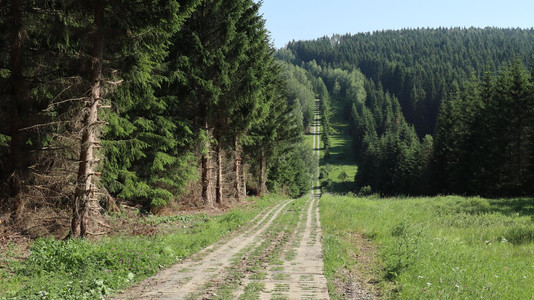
(252, 291)
(339, 168)
(442, 247)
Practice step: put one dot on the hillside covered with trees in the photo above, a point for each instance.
(448, 110)
(150, 103)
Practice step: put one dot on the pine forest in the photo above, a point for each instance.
(432, 111)
(147, 103)
(134, 134)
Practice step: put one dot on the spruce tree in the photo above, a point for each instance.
(30, 79)
(120, 36)
(243, 101)
(148, 141)
(509, 113)
(18, 103)
(326, 114)
(204, 63)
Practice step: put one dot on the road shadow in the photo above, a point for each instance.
(339, 187)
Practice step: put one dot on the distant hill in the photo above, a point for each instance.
(419, 66)
(431, 111)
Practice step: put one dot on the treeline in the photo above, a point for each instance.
(391, 159)
(483, 143)
(485, 135)
(419, 66)
(152, 102)
(422, 123)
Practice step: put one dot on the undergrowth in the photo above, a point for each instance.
(82, 269)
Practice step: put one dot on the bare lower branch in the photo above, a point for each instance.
(43, 125)
(113, 82)
(52, 105)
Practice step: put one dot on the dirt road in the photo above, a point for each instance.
(279, 256)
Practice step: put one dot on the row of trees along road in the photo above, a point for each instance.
(152, 102)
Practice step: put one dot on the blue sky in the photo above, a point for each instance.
(310, 19)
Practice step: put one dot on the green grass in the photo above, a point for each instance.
(339, 169)
(308, 139)
(337, 174)
(81, 269)
(442, 247)
(422, 248)
(252, 291)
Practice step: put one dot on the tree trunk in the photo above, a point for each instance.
(263, 175)
(85, 198)
(18, 102)
(219, 190)
(237, 169)
(244, 182)
(206, 162)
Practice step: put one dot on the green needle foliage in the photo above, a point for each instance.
(148, 149)
(428, 112)
(185, 99)
(487, 127)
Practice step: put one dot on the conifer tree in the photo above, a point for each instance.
(509, 113)
(18, 102)
(272, 143)
(120, 35)
(29, 76)
(324, 105)
(481, 135)
(148, 141)
(205, 63)
(243, 101)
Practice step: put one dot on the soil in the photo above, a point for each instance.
(299, 276)
(359, 282)
(187, 278)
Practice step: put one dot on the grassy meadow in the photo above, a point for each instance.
(429, 248)
(339, 168)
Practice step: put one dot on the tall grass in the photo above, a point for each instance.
(81, 269)
(443, 247)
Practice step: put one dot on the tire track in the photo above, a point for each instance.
(301, 275)
(186, 278)
(275, 259)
